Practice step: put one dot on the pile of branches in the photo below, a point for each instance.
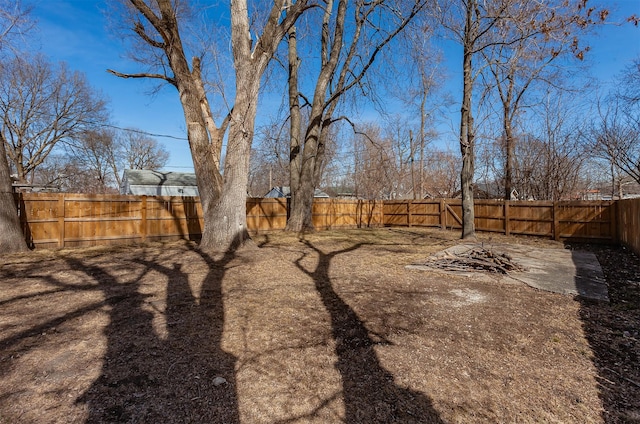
(475, 259)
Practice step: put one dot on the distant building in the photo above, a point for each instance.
(155, 183)
(284, 191)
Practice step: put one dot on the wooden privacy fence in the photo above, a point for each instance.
(73, 220)
(271, 214)
(590, 221)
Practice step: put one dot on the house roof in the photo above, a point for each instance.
(155, 178)
(284, 191)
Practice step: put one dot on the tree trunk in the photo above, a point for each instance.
(205, 162)
(227, 227)
(466, 130)
(11, 237)
(300, 217)
(509, 150)
(313, 150)
(295, 156)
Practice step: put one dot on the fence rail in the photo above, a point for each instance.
(73, 220)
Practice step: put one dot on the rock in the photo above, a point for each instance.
(219, 381)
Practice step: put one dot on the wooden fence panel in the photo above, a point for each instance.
(396, 213)
(172, 218)
(40, 219)
(531, 218)
(489, 216)
(586, 220)
(266, 214)
(425, 213)
(370, 213)
(91, 220)
(629, 223)
(339, 213)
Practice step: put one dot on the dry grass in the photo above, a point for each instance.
(325, 329)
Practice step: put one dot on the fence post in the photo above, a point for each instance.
(143, 218)
(507, 223)
(613, 218)
(443, 214)
(556, 221)
(409, 218)
(61, 220)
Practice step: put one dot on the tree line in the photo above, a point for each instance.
(330, 58)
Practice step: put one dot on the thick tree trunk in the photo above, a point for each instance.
(300, 217)
(466, 130)
(295, 154)
(227, 227)
(300, 183)
(508, 105)
(466, 179)
(208, 175)
(11, 237)
(205, 160)
(313, 150)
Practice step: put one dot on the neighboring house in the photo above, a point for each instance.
(155, 183)
(284, 191)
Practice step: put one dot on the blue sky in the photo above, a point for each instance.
(75, 31)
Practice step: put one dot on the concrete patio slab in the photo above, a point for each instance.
(559, 270)
(555, 270)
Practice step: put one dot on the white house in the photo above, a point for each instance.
(156, 183)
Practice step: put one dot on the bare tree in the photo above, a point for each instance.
(270, 157)
(629, 89)
(13, 21)
(549, 159)
(42, 105)
(11, 238)
(157, 23)
(140, 151)
(382, 161)
(469, 21)
(420, 91)
(482, 25)
(615, 135)
(441, 176)
(539, 35)
(95, 153)
(65, 173)
(347, 52)
(549, 169)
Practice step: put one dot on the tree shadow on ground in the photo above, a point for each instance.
(369, 391)
(612, 330)
(147, 377)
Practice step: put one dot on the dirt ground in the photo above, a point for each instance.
(326, 329)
